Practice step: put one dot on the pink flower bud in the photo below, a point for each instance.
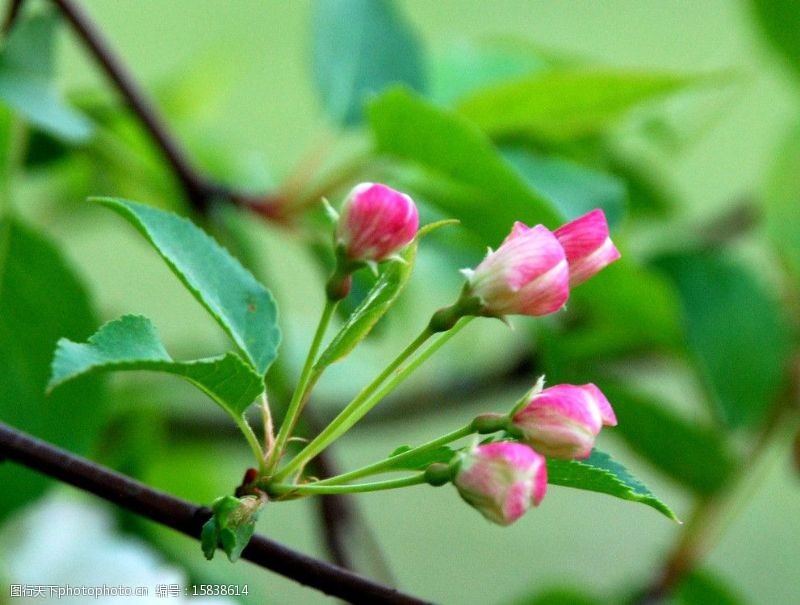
(376, 221)
(527, 275)
(502, 480)
(587, 245)
(564, 420)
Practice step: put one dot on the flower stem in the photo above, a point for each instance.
(303, 385)
(252, 441)
(369, 397)
(269, 431)
(392, 462)
(315, 488)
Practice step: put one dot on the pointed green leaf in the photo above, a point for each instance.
(379, 300)
(573, 189)
(360, 47)
(131, 343)
(561, 105)
(599, 473)
(736, 332)
(26, 80)
(477, 186)
(466, 67)
(702, 461)
(241, 306)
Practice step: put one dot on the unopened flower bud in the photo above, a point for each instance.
(376, 221)
(563, 421)
(526, 275)
(587, 245)
(502, 480)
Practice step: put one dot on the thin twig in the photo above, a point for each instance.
(341, 516)
(200, 191)
(187, 518)
(336, 511)
(704, 526)
(14, 7)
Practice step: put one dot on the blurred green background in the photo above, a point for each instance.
(235, 83)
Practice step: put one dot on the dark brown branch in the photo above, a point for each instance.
(200, 191)
(703, 527)
(336, 514)
(14, 7)
(336, 510)
(187, 518)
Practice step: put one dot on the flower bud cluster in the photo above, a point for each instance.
(533, 269)
(531, 273)
(504, 479)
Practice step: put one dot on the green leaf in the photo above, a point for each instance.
(693, 455)
(26, 80)
(599, 473)
(478, 186)
(782, 204)
(131, 343)
(464, 68)
(567, 104)
(780, 21)
(241, 306)
(701, 588)
(41, 299)
(573, 189)
(557, 596)
(231, 526)
(648, 192)
(421, 460)
(628, 310)
(360, 48)
(735, 331)
(379, 300)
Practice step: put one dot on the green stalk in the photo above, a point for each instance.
(368, 397)
(393, 461)
(252, 441)
(317, 489)
(303, 386)
(346, 417)
(266, 417)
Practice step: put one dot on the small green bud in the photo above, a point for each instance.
(439, 474)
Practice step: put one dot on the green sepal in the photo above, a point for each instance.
(231, 526)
